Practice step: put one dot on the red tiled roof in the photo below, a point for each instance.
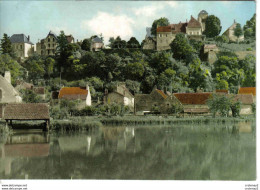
(73, 93)
(193, 23)
(164, 29)
(28, 111)
(247, 90)
(193, 98)
(161, 93)
(178, 28)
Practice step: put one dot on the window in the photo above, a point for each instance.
(48, 52)
(52, 45)
(49, 39)
(21, 46)
(166, 35)
(49, 45)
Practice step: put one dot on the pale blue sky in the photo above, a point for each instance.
(111, 18)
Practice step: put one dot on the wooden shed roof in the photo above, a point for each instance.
(247, 90)
(29, 111)
(193, 98)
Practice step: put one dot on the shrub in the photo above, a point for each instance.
(248, 49)
(253, 108)
(219, 104)
(235, 108)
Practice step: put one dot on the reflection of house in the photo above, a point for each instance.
(97, 44)
(22, 45)
(193, 30)
(120, 95)
(156, 100)
(149, 41)
(194, 102)
(230, 33)
(76, 93)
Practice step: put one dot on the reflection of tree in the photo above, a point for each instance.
(181, 152)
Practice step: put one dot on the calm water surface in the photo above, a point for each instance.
(216, 152)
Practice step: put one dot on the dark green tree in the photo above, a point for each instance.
(159, 22)
(238, 31)
(133, 43)
(6, 46)
(212, 26)
(250, 26)
(180, 47)
(86, 44)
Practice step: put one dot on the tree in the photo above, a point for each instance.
(135, 70)
(49, 66)
(133, 43)
(219, 104)
(180, 47)
(6, 46)
(61, 50)
(238, 31)
(86, 44)
(159, 22)
(250, 27)
(160, 61)
(35, 67)
(212, 26)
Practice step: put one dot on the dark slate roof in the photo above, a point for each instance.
(203, 12)
(28, 111)
(97, 40)
(20, 38)
(52, 34)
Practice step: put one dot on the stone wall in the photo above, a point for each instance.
(164, 40)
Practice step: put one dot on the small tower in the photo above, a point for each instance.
(202, 18)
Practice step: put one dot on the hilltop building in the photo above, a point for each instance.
(97, 44)
(48, 45)
(192, 29)
(150, 40)
(230, 33)
(22, 45)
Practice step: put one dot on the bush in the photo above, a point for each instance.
(57, 113)
(235, 108)
(219, 104)
(253, 108)
(248, 49)
(175, 108)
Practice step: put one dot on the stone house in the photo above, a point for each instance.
(97, 44)
(248, 90)
(48, 45)
(76, 93)
(230, 33)
(156, 99)
(210, 52)
(8, 94)
(194, 103)
(247, 100)
(120, 95)
(40, 91)
(192, 29)
(22, 45)
(150, 41)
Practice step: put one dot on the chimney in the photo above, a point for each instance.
(28, 37)
(8, 76)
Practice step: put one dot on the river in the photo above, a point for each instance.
(183, 152)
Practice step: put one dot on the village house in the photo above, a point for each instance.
(192, 29)
(150, 41)
(22, 45)
(120, 95)
(247, 100)
(156, 100)
(194, 103)
(97, 44)
(210, 52)
(48, 45)
(230, 33)
(76, 93)
(248, 90)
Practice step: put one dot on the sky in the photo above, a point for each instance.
(83, 19)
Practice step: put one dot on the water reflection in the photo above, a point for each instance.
(183, 152)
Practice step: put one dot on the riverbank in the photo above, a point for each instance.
(92, 122)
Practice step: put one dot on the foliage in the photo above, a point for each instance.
(133, 43)
(180, 47)
(135, 70)
(159, 22)
(35, 67)
(253, 108)
(236, 108)
(175, 108)
(219, 104)
(221, 39)
(250, 27)
(238, 30)
(86, 44)
(7, 63)
(6, 46)
(133, 86)
(212, 26)
(29, 96)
